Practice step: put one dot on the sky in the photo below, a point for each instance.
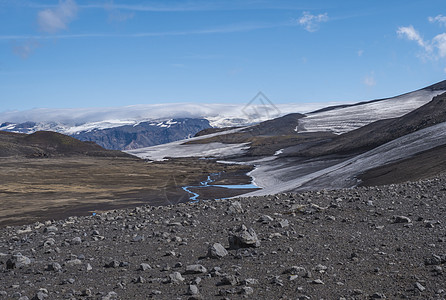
(80, 54)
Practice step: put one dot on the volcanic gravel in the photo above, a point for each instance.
(385, 242)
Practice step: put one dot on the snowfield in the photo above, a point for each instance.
(346, 119)
(179, 149)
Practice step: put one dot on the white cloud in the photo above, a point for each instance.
(24, 49)
(311, 22)
(440, 43)
(55, 19)
(434, 49)
(440, 19)
(146, 112)
(411, 34)
(360, 53)
(369, 80)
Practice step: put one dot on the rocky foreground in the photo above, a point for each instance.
(367, 243)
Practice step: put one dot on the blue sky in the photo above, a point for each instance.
(78, 53)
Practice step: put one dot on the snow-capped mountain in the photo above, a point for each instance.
(137, 126)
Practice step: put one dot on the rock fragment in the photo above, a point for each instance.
(216, 250)
(243, 238)
(17, 261)
(192, 290)
(195, 269)
(401, 219)
(235, 208)
(175, 277)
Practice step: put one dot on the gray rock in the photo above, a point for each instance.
(49, 242)
(235, 208)
(110, 295)
(144, 267)
(112, 264)
(243, 238)
(175, 277)
(216, 250)
(54, 266)
(265, 219)
(434, 260)
(246, 290)
(86, 293)
(50, 229)
(295, 270)
(73, 262)
(39, 296)
(195, 269)
(140, 279)
(192, 290)
(76, 241)
(419, 286)
(228, 280)
(138, 238)
(401, 219)
(250, 281)
(283, 223)
(17, 261)
(317, 281)
(320, 268)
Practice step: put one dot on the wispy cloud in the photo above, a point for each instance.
(311, 22)
(174, 6)
(360, 52)
(438, 19)
(53, 20)
(440, 43)
(434, 49)
(25, 48)
(216, 30)
(369, 80)
(411, 34)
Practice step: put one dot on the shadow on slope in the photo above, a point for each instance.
(50, 144)
(423, 165)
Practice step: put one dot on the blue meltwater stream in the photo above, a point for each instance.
(207, 183)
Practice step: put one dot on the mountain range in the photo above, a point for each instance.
(335, 147)
(137, 126)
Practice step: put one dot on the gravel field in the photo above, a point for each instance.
(385, 242)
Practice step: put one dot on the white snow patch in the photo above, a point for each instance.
(278, 152)
(8, 127)
(180, 149)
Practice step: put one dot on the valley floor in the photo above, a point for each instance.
(385, 242)
(37, 189)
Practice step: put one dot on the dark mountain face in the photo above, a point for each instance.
(144, 134)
